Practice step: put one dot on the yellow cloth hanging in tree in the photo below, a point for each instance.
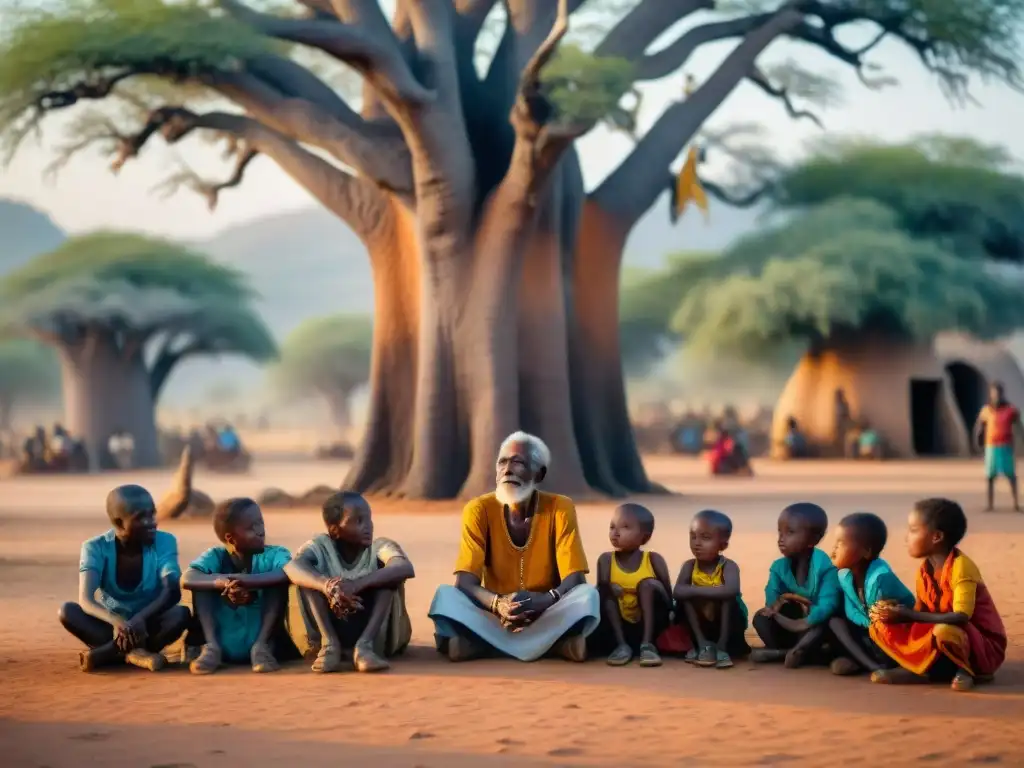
(688, 187)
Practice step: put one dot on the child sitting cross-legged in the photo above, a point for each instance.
(954, 632)
(866, 580)
(707, 594)
(239, 593)
(635, 591)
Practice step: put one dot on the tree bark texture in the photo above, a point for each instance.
(495, 274)
(104, 392)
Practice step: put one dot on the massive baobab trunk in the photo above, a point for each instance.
(106, 391)
(495, 275)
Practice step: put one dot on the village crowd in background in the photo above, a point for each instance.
(58, 451)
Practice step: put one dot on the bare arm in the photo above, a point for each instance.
(470, 586)
(729, 589)
(396, 572)
(661, 572)
(170, 595)
(88, 583)
(604, 574)
(303, 575)
(683, 580)
(197, 581)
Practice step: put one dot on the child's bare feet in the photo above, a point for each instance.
(845, 667)
(649, 656)
(262, 658)
(366, 659)
(962, 682)
(328, 660)
(621, 656)
(207, 662)
(708, 656)
(143, 659)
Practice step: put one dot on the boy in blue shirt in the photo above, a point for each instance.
(239, 592)
(802, 593)
(865, 579)
(128, 588)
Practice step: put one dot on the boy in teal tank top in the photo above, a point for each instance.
(239, 593)
(636, 591)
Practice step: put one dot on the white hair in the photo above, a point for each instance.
(537, 449)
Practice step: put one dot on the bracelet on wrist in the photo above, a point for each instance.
(494, 604)
(555, 594)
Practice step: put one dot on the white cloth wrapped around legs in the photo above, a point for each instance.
(453, 613)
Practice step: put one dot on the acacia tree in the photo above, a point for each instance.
(328, 357)
(495, 274)
(28, 374)
(123, 311)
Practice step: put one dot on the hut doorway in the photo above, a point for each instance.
(924, 416)
(969, 391)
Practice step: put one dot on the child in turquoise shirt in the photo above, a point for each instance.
(803, 590)
(865, 579)
(245, 621)
(128, 588)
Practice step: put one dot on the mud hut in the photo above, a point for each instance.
(867, 300)
(973, 365)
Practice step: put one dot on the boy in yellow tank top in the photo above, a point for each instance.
(635, 591)
(708, 595)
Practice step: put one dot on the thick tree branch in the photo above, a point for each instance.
(374, 148)
(354, 200)
(634, 186)
(630, 38)
(362, 46)
(540, 139)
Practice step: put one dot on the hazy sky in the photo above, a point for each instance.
(86, 196)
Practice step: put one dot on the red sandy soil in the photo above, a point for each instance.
(427, 712)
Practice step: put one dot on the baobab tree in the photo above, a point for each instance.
(495, 273)
(122, 312)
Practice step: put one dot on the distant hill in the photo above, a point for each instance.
(308, 263)
(25, 232)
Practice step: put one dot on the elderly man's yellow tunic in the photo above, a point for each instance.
(553, 551)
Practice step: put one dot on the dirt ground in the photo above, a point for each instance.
(428, 712)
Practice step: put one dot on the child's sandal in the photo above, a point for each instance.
(649, 656)
(708, 656)
(962, 682)
(723, 660)
(621, 656)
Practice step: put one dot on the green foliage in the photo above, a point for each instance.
(646, 305)
(585, 88)
(28, 372)
(130, 285)
(952, 191)
(326, 355)
(57, 46)
(827, 275)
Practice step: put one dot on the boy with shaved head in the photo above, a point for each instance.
(128, 588)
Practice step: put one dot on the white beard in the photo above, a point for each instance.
(511, 495)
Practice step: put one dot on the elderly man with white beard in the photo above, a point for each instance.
(520, 577)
